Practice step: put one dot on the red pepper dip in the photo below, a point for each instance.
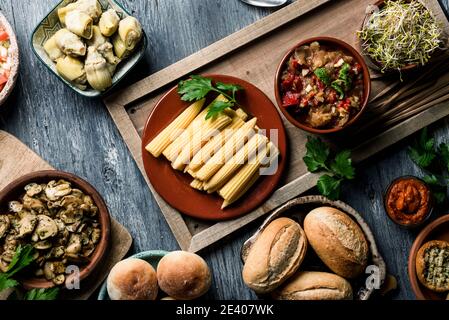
(408, 201)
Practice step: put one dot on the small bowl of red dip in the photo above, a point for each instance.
(408, 201)
(322, 85)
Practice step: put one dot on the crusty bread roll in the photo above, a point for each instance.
(132, 279)
(338, 241)
(275, 255)
(183, 275)
(432, 265)
(310, 285)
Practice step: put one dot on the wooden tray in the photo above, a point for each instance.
(253, 54)
(16, 159)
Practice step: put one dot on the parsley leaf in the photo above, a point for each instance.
(194, 89)
(197, 88)
(317, 154)
(338, 168)
(423, 152)
(6, 283)
(439, 189)
(336, 86)
(323, 75)
(217, 107)
(42, 294)
(342, 165)
(329, 186)
(233, 88)
(344, 76)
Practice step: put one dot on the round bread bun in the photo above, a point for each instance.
(132, 279)
(183, 275)
(425, 259)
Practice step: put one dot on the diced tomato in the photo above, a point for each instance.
(357, 68)
(345, 104)
(293, 64)
(3, 35)
(320, 84)
(290, 99)
(304, 102)
(287, 83)
(1, 87)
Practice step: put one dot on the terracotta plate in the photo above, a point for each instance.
(173, 186)
(437, 230)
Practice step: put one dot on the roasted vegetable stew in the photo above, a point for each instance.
(322, 86)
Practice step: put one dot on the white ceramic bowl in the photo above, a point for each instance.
(14, 52)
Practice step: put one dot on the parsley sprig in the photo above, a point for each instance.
(23, 257)
(434, 161)
(338, 167)
(342, 84)
(197, 87)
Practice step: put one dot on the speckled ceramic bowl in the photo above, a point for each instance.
(50, 24)
(152, 257)
(14, 54)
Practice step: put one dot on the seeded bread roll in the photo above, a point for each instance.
(132, 279)
(275, 255)
(310, 285)
(432, 265)
(338, 241)
(183, 275)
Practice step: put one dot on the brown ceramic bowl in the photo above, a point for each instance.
(15, 189)
(174, 186)
(332, 42)
(437, 230)
(14, 54)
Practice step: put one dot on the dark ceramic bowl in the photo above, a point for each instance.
(332, 42)
(426, 216)
(15, 189)
(437, 230)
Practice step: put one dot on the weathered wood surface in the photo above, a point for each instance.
(77, 135)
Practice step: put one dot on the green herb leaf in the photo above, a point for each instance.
(336, 86)
(423, 152)
(329, 186)
(194, 89)
(22, 258)
(217, 107)
(342, 166)
(42, 294)
(316, 155)
(6, 283)
(232, 88)
(323, 75)
(439, 189)
(344, 76)
(443, 152)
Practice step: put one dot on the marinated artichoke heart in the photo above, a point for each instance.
(52, 49)
(97, 38)
(79, 23)
(59, 221)
(130, 31)
(120, 47)
(109, 22)
(69, 43)
(90, 7)
(97, 70)
(107, 51)
(72, 70)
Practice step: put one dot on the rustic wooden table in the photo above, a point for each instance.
(77, 135)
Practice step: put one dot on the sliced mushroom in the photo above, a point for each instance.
(46, 227)
(95, 236)
(74, 226)
(74, 245)
(33, 189)
(56, 190)
(76, 258)
(26, 225)
(15, 206)
(49, 270)
(59, 279)
(34, 204)
(43, 245)
(71, 216)
(71, 201)
(5, 223)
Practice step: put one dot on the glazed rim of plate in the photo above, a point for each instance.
(202, 205)
(14, 53)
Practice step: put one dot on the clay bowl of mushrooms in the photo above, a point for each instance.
(65, 221)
